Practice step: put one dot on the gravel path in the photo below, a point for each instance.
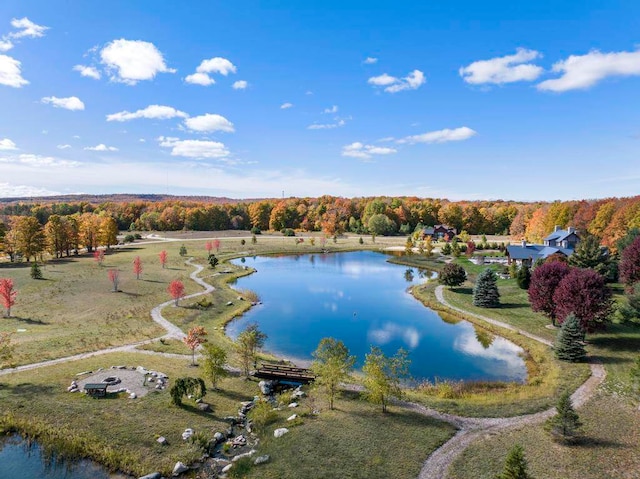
(471, 429)
(172, 332)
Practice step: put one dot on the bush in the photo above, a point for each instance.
(129, 238)
(288, 232)
(137, 236)
(452, 275)
(255, 230)
(261, 415)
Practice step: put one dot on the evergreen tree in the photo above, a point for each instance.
(569, 345)
(589, 254)
(515, 466)
(524, 277)
(452, 275)
(36, 272)
(485, 292)
(446, 249)
(213, 261)
(566, 424)
(183, 251)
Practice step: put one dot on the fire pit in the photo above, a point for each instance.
(111, 380)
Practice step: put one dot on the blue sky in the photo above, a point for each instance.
(463, 100)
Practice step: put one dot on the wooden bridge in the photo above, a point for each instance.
(285, 374)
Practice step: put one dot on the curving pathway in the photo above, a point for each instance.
(172, 332)
(471, 429)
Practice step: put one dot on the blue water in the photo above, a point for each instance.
(21, 460)
(362, 299)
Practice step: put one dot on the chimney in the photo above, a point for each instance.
(524, 243)
(570, 229)
(556, 228)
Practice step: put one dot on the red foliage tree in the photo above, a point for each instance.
(583, 293)
(98, 255)
(630, 263)
(7, 295)
(208, 246)
(176, 290)
(137, 267)
(194, 338)
(163, 258)
(216, 244)
(544, 281)
(471, 247)
(114, 277)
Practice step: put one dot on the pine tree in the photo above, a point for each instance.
(183, 251)
(524, 277)
(566, 424)
(569, 345)
(485, 292)
(36, 272)
(515, 466)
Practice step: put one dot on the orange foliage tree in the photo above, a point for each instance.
(176, 290)
(7, 295)
(194, 338)
(114, 277)
(163, 258)
(137, 266)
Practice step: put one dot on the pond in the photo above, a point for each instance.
(363, 300)
(22, 459)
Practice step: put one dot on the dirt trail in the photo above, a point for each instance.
(172, 332)
(470, 429)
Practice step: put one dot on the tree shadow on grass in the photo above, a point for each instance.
(153, 281)
(233, 395)
(615, 343)
(589, 443)
(126, 293)
(29, 320)
(28, 389)
(467, 291)
(513, 305)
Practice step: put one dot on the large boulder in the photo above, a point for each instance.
(187, 433)
(162, 440)
(266, 387)
(218, 437)
(179, 468)
(204, 407)
(280, 432)
(262, 459)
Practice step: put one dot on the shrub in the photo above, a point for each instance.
(129, 238)
(288, 232)
(452, 275)
(137, 236)
(262, 415)
(255, 230)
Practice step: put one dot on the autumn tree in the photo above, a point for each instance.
(259, 214)
(248, 343)
(56, 235)
(163, 258)
(29, 237)
(208, 246)
(471, 248)
(428, 246)
(544, 281)
(515, 465)
(137, 266)
(381, 224)
(583, 292)
(194, 338)
(114, 277)
(569, 345)
(216, 244)
(7, 295)
(452, 275)
(630, 263)
(89, 231)
(98, 255)
(565, 425)
(332, 365)
(215, 359)
(485, 291)
(176, 290)
(108, 231)
(408, 246)
(383, 375)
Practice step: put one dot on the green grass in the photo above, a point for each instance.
(356, 441)
(171, 346)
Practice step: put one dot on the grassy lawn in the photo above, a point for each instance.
(356, 441)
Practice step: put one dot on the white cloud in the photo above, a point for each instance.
(27, 28)
(285, 106)
(10, 73)
(5, 45)
(584, 71)
(7, 144)
(200, 79)
(63, 147)
(208, 123)
(240, 85)
(198, 149)
(130, 61)
(362, 151)
(327, 126)
(85, 71)
(500, 70)
(382, 80)
(412, 81)
(152, 112)
(101, 147)
(441, 136)
(333, 109)
(370, 61)
(142, 140)
(216, 65)
(38, 161)
(72, 103)
(8, 190)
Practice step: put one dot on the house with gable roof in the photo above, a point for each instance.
(559, 242)
(439, 232)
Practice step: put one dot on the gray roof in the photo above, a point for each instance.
(559, 235)
(535, 251)
(428, 231)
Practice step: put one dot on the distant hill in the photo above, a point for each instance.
(124, 198)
